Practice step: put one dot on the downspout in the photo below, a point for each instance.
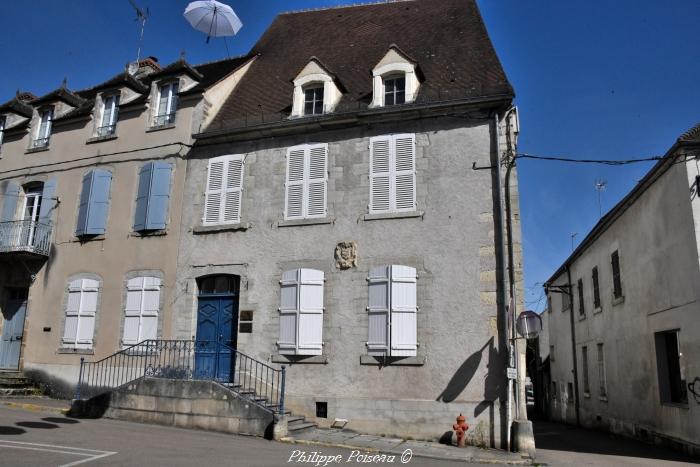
(504, 266)
(573, 343)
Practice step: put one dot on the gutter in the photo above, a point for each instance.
(573, 346)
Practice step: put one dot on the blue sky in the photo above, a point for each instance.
(594, 80)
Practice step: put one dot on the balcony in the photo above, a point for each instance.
(28, 237)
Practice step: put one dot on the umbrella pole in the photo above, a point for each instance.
(228, 54)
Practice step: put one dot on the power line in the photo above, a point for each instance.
(523, 155)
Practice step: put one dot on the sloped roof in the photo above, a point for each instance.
(121, 79)
(447, 38)
(61, 94)
(212, 72)
(18, 106)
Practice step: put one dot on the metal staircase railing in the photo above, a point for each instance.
(185, 360)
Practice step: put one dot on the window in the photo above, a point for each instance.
(81, 310)
(392, 173)
(313, 101)
(584, 360)
(617, 283)
(551, 353)
(43, 132)
(392, 311)
(110, 109)
(307, 179)
(596, 288)
(167, 104)
(603, 392)
(153, 197)
(31, 210)
(3, 119)
(394, 90)
(301, 312)
(670, 367)
(549, 303)
(581, 309)
(141, 309)
(554, 390)
(94, 203)
(566, 300)
(569, 392)
(223, 197)
(245, 322)
(219, 285)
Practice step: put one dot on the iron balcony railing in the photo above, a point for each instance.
(164, 119)
(26, 237)
(185, 360)
(40, 143)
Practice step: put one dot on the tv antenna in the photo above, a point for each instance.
(600, 186)
(141, 16)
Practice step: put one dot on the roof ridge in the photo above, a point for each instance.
(221, 60)
(339, 7)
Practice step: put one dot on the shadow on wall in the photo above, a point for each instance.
(50, 385)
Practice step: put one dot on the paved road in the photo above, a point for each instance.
(566, 445)
(30, 438)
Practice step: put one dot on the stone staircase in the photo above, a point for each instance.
(15, 384)
(298, 424)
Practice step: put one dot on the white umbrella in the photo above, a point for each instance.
(213, 18)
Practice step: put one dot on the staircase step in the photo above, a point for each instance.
(18, 392)
(295, 418)
(300, 426)
(14, 384)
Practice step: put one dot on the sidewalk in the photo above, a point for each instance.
(397, 446)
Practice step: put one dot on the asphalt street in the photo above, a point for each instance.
(29, 438)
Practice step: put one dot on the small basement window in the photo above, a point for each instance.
(322, 409)
(245, 322)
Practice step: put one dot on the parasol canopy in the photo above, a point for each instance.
(213, 18)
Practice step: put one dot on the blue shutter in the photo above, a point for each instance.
(48, 201)
(9, 204)
(159, 196)
(140, 217)
(81, 228)
(99, 202)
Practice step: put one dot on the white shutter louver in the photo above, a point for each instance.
(378, 341)
(310, 336)
(223, 197)
(141, 312)
(392, 311)
(289, 308)
(405, 173)
(307, 181)
(379, 174)
(80, 313)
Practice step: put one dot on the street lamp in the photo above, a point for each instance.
(529, 324)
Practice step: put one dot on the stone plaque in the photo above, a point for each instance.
(346, 255)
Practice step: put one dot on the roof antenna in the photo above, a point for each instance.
(142, 17)
(600, 186)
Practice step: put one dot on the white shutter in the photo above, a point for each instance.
(223, 196)
(294, 188)
(404, 161)
(310, 332)
(378, 341)
(149, 311)
(316, 180)
(289, 310)
(403, 311)
(70, 331)
(141, 310)
(379, 174)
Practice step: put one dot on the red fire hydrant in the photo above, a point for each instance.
(460, 429)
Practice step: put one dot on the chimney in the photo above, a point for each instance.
(144, 67)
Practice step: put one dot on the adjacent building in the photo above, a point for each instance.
(91, 185)
(339, 221)
(623, 328)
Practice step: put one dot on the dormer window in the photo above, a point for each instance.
(316, 90)
(110, 110)
(397, 78)
(395, 90)
(2, 128)
(43, 133)
(167, 104)
(313, 100)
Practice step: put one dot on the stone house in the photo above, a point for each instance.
(622, 315)
(336, 224)
(91, 184)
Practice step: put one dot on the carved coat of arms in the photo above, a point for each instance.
(346, 255)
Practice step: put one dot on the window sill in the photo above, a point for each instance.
(598, 310)
(33, 150)
(206, 229)
(392, 361)
(587, 395)
(603, 398)
(279, 358)
(75, 351)
(392, 215)
(618, 300)
(99, 139)
(88, 238)
(299, 222)
(149, 233)
(166, 126)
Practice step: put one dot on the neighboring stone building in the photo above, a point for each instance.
(633, 320)
(91, 184)
(335, 222)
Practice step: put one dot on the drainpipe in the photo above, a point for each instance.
(573, 343)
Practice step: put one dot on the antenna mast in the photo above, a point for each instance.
(600, 186)
(142, 17)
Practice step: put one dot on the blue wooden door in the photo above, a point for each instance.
(217, 317)
(12, 330)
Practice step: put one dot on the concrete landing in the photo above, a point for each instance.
(398, 447)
